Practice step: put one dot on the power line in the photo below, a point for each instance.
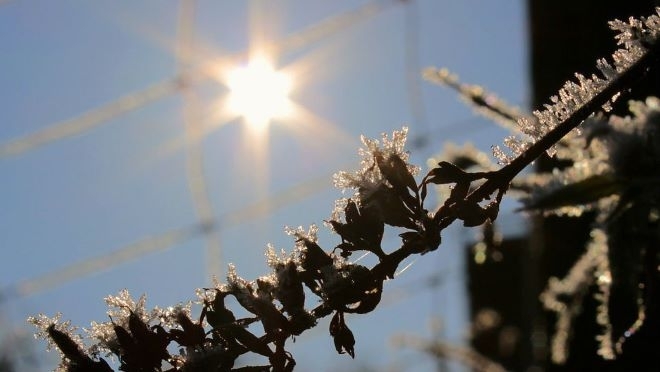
(197, 184)
(333, 24)
(90, 119)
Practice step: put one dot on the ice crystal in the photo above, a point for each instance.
(622, 148)
(169, 315)
(121, 306)
(637, 33)
(43, 322)
(571, 97)
(301, 235)
(337, 212)
(106, 338)
(119, 311)
(368, 178)
(235, 283)
(502, 157)
(635, 36)
(281, 281)
(278, 261)
(205, 295)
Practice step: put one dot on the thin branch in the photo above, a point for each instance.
(622, 83)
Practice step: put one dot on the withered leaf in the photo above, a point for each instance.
(192, 334)
(217, 313)
(471, 214)
(396, 172)
(343, 337)
(250, 341)
(291, 292)
(79, 361)
(314, 257)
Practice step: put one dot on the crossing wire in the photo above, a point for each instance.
(90, 119)
(197, 184)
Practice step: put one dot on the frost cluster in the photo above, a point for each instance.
(635, 36)
(368, 178)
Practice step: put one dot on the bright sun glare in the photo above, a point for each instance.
(259, 93)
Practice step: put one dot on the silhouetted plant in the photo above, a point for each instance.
(387, 195)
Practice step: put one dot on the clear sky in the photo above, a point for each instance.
(94, 158)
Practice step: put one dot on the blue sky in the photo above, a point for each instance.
(125, 180)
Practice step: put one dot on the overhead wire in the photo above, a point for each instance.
(90, 119)
(197, 185)
(413, 69)
(416, 103)
(333, 24)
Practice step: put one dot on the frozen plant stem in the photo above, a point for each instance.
(500, 179)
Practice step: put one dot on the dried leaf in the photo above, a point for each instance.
(342, 335)
(79, 361)
(396, 172)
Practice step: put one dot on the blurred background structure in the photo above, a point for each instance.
(564, 39)
(125, 164)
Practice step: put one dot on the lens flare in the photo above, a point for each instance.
(259, 93)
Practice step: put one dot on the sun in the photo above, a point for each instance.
(259, 93)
